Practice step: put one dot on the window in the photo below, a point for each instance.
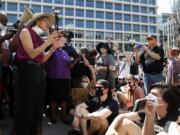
(152, 11)
(109, 35)
(144, 29)
(90, 14)
(36, 0)
(143, 1)
(12, 6)
(89, 24)
(108, 5)
(152, 2)
(99, 15)
(127, 27)
(136, 1)
(118, 7)
(80, 23)
(127, 0)
(36, 8)
(99, 4)
(127, 17)
(2, 7)
(136, 37)
(58, 1)
(136, 18)
(127, 8)
(135, 9)
(109, 15)
(69, 12)
(118, 26)
(47, 9)
(100, 35)
(69, 22)
(127, 37)
(118, 36)
(152, 29)
(144, 19)
(90, 45)
(79, 13)
(89, 3)
(12, 18)
(69, 2)
(60, 22)
(136, 28)
(80, 3)
(152, 19)
(128, 47)
(109, 26)
(118, 16)
(47, 1)
(79, 34)
(89, 35)
(22, 7)
(143, 9)
(99, 25)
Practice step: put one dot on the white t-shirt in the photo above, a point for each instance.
(173, 129)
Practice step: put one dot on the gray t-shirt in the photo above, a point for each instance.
(106, 61)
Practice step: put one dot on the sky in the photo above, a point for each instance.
(164, 6)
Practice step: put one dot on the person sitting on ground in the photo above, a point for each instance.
(130, 93)
(166, 109)
(97, 114)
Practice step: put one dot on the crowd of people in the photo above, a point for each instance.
(99, 91)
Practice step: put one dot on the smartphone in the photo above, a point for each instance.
(138, 46)
(139, 104)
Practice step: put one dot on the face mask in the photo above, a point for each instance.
(99, 92)
(2, 30)
(84, 85)
(153, 99)
(38, 30)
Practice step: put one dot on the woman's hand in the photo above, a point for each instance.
(52, 38)
(111, 132)
(149, 108)
(59, 43)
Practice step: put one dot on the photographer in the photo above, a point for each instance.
(129, 93)
(163, 108)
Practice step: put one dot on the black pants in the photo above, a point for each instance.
(30, 81)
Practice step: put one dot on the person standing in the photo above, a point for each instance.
(173, 65)
(105, 64)
(151, 59)
(59, 83)
(30, 76)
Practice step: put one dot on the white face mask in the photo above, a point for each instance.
(84, 85)
(2, 30)
(38, 30)
(103, 50)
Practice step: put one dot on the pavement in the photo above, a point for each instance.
(48, 129)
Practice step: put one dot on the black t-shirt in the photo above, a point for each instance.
(134, 68)
(71, 51)
(150, 65)
(96, 105)
(162, 125)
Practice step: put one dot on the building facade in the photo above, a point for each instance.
(95, 21)
(167, 28)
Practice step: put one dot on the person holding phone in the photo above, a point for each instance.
(151, 59)
(156, 116)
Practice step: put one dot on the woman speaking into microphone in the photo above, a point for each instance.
(30, 76)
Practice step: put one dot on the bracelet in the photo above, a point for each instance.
(52, 50)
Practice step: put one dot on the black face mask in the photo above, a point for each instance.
(99, 92)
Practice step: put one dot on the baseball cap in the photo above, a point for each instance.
(151, 37)
(104, 83)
